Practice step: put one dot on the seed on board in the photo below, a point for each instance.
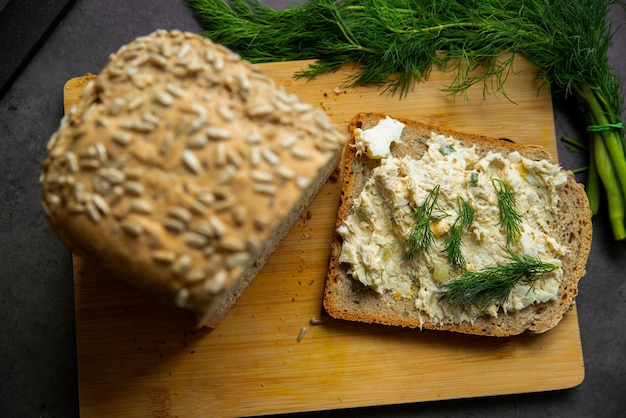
(140, 206)
(164, 256)
(300, 336)
(255, 156)
(253, 243)
(191, 161)
(131, 227)
(181, 265)
(318, 320)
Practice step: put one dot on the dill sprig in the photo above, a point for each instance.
(396, 43)
(421, 236)
(453, 239)
(494, 284)
(510, 219)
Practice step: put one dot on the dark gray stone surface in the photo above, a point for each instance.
(38, 373)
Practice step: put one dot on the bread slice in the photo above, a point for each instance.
(347, 298)
(181, 169)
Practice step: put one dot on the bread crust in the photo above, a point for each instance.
(346, 298)
(182, 167)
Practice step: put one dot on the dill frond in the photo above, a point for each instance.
(494, 284)
(510, 219)
(421, 236)
(453, 240)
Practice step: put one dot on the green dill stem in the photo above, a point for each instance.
(608, 158)
(576, 144)
(614, 196)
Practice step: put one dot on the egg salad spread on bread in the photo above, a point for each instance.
(375, 233)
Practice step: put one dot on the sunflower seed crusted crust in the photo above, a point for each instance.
(182, 167)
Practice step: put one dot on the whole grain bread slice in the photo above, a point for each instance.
(348, 299)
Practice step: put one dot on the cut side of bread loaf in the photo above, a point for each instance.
(349, 299)
(181, 169)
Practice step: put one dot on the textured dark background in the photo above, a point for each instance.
(38, 375)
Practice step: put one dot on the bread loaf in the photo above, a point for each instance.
(370, 277)
(182, 167)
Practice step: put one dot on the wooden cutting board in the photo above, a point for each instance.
(139, 359)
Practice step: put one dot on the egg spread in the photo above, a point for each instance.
(375, 233)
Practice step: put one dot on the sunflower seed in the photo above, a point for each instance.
(112, 175)
(140, 206)
(194, 275)
(288, 141)
(180, 213)
(163, 256)
(174, 225)
(72, 161)
(191, 161)
(231, 243)
(181, 298)
(101, 204)
(133, 188)
(216, 283)
(121, 138)
(236, 260)
(270, 156)
(195, 240)
(181, 265)
(131, 227)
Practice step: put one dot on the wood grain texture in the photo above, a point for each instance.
(137, 358)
